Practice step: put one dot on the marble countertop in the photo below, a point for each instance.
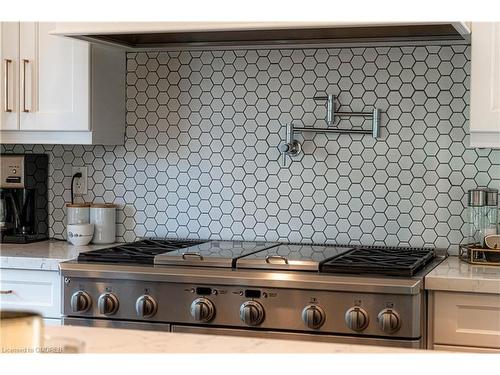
(43, 255)
(112, 340)
(458, 276)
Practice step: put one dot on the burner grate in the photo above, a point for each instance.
(387, 261)
(139, 252)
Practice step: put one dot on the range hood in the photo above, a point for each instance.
(197, 35)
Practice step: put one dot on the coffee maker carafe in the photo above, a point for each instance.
(23, 198)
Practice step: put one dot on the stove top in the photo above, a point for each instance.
(139, 252)
(386, 261)
(331, 259)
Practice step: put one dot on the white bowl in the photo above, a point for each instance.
(80, 241)
(80, 229)
(80, 234)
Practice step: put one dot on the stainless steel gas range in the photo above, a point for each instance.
(348, 294)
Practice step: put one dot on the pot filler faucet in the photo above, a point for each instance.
(292, 147)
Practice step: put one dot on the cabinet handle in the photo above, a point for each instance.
(278, 257)
(23, 78)
(6, 291)
(6, 84)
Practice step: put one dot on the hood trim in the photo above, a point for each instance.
(309, 37)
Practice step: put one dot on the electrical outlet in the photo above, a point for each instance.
(80, 185)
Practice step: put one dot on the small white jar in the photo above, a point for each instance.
(77, 213)
(103, 216)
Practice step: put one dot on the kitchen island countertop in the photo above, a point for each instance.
(43, 255)
(112, 340)
(458, 276)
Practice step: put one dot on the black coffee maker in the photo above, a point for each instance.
(23, 198)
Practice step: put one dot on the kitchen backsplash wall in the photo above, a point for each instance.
(201, 158)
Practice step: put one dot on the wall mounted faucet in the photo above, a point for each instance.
(291, 147)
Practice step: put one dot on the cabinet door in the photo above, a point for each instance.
(485, 85)
(31, 290)
(467, 319)
(9, 77)
(54, 80)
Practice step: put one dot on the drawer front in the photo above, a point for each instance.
(467, 319)
(119, 324)
(38, 291)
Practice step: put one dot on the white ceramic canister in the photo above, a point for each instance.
(103, 216)
(77, 213)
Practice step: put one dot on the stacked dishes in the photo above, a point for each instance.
(88, 222)
(79, 229)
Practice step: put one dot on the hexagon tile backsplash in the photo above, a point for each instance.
(201, 158)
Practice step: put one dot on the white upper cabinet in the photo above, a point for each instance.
(55, 88)
(485, 85)
(9, 75)
(59, 90)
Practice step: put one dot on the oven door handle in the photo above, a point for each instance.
(278, 257)
(187, 255)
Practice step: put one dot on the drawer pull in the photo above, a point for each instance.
(6, 291)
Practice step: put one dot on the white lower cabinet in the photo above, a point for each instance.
(32, 290)
(464, 321)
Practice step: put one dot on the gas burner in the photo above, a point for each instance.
(139, 252)
(387, 261)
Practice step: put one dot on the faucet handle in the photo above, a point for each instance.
(291, 149)
(291, 146)
(284, 147)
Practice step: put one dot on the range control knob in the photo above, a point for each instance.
(107, 304)
(80, 301)
(146, 306)
(389, 321)
(252, 313)
(313, 316)
(202, 310)
(356, 318)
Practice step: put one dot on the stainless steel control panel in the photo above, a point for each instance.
(365, 314)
